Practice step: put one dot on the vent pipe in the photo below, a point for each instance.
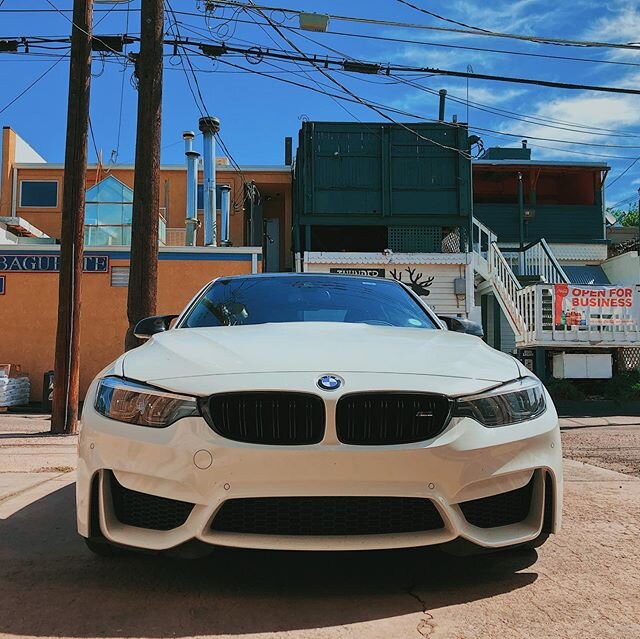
(191, 221)
(209, 127)
(225, 206)
(443, 99)
(288, 151)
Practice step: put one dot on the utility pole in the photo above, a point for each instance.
(143, 270)
(64, 413)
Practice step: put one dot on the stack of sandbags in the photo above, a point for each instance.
(14, 386)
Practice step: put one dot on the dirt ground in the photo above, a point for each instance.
(582, 584)
(613, 447)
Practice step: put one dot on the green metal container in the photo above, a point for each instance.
(413, 179)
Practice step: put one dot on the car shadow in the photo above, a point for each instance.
(50, 585)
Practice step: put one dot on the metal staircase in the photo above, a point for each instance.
(528, 306)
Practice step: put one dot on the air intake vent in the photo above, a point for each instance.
(313, 516)
(267, 417)
(499, 510)
(390, 418)
(147, 511)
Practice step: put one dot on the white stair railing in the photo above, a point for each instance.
(538, 259)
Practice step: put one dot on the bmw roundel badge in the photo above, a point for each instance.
(329, 382)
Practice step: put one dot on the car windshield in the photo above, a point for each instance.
(305, 298)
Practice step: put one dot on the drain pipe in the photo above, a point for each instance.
(521, 256)
(443, 98)
(225, 205)
(191, 222)
(209, 127)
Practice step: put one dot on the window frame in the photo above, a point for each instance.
(23, 206)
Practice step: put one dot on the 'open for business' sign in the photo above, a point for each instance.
(49, 263)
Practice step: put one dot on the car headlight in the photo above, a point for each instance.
(136, 403)
(510, 403)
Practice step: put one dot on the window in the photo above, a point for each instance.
(39, 194)
(108, 212)
(307, 298)
(201, 197)
(120, 276)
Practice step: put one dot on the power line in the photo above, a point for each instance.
(428, 43)
(400, 111)
(625, 171)
(435, 15)
(53, 6)
(369, 105)
(32, 84)
(381, 68)
(530, 119)
(201, 103)
(408, 25)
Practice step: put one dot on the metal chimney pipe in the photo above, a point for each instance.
(188, 136)
(192, 197)
(209, 127)
(443, 99)
(225, 206)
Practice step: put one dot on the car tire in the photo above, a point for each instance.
(101, 547)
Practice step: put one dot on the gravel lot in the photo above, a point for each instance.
(613, 447)
(582, 584)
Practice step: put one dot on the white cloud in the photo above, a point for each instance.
(577, 112)
(417, 101)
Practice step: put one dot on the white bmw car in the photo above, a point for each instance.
(315, 412)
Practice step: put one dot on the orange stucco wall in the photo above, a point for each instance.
(274, 187)
(28, 313)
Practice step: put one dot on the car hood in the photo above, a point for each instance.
(315, 346)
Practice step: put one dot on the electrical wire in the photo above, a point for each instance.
(530, 119)
(435, 44)
(435, 15)
(32, 84)
(624, 172)
(87, 33)
(116, 152)
(202, 106)
(368, 105)
(391, 23)
(400, 111)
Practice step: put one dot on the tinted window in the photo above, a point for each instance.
(39, 194)
(258, 300)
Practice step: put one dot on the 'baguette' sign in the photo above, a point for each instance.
(49, 263)
(595, 305)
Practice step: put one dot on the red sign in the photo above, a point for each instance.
(595, 305)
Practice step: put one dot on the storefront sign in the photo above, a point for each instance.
(2, 284)
(367, 272)
(595, 305)
(49, 263)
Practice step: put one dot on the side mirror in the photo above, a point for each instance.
(149, 326)
(462, 325)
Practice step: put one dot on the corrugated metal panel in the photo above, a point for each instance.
(586, 275)
(382, 173)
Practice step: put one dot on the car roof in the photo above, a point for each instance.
(309, 275)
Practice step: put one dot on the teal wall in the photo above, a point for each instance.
(556, 223)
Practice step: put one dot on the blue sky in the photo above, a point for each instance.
(258, 112)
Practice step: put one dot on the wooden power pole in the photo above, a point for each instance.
(64, 415)
(143, 271)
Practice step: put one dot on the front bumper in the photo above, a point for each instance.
(190, 463)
